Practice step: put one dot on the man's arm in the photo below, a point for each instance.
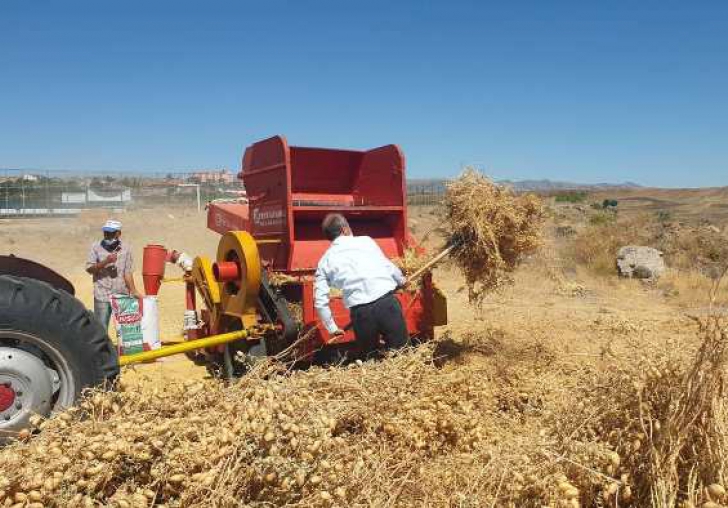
(129, 276)
(321, 299)
(93, 265)
(131, 286)
(397, 275)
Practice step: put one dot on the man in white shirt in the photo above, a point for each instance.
(358, 267)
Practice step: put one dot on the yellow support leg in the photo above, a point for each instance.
(183, 347)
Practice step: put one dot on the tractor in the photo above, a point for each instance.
(252, 300)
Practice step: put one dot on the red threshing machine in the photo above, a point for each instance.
(271, 246)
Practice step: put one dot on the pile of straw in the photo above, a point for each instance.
(411, 261)
(663, 424)
(400, 432)
(315, 438)
(494, 227)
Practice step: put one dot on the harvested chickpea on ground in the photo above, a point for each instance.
(309, 438)
(408, 427)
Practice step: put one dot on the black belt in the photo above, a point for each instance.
(385, 295)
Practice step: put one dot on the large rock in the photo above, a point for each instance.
(640, 262)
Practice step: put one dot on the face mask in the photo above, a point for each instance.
(110, 245)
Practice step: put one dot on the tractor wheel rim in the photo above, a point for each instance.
(39, 376)
(7, 396)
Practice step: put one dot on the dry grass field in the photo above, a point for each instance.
(570, 387)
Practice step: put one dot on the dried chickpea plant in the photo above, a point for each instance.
(493, 227)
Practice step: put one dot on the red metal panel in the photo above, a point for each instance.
(381, 177)
(292, 188)
(323, 170)
(313, 199)
(224, 217)
(310, 317)
(307, 253)
(267, 179)
(309, 312)
(413, 309)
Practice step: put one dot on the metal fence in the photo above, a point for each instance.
(34, 196)
(426, 192)
(41, 196)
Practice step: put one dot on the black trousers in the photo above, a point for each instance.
(382, 317)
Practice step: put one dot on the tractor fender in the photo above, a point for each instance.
(19, 267)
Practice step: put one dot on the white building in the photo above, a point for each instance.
(91, 197)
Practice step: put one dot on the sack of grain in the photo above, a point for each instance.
(137, 323)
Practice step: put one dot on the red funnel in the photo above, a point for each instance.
(153, 268)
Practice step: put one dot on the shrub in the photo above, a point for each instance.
(571, 197)
(664, 216)
(686, 249)
(597, 245)
(602, 218)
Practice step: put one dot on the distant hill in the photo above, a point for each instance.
(545, 185)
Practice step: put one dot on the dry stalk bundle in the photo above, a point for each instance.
(662, 426)
(281, 279)
(494, 227)
(316, 438)
(411, 261)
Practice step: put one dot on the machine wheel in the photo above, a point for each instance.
(51, 348)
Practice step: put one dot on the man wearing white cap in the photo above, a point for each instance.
(110, 263)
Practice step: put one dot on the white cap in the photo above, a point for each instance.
(111, 226)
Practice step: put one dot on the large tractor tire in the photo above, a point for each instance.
(51, 349)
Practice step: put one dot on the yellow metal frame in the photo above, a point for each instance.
(205, 281)
(183, 347)
(173, 279)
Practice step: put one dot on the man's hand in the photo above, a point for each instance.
(137, 295)
(111, 258)
(336, 335)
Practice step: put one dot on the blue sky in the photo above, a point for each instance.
(578, 91)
